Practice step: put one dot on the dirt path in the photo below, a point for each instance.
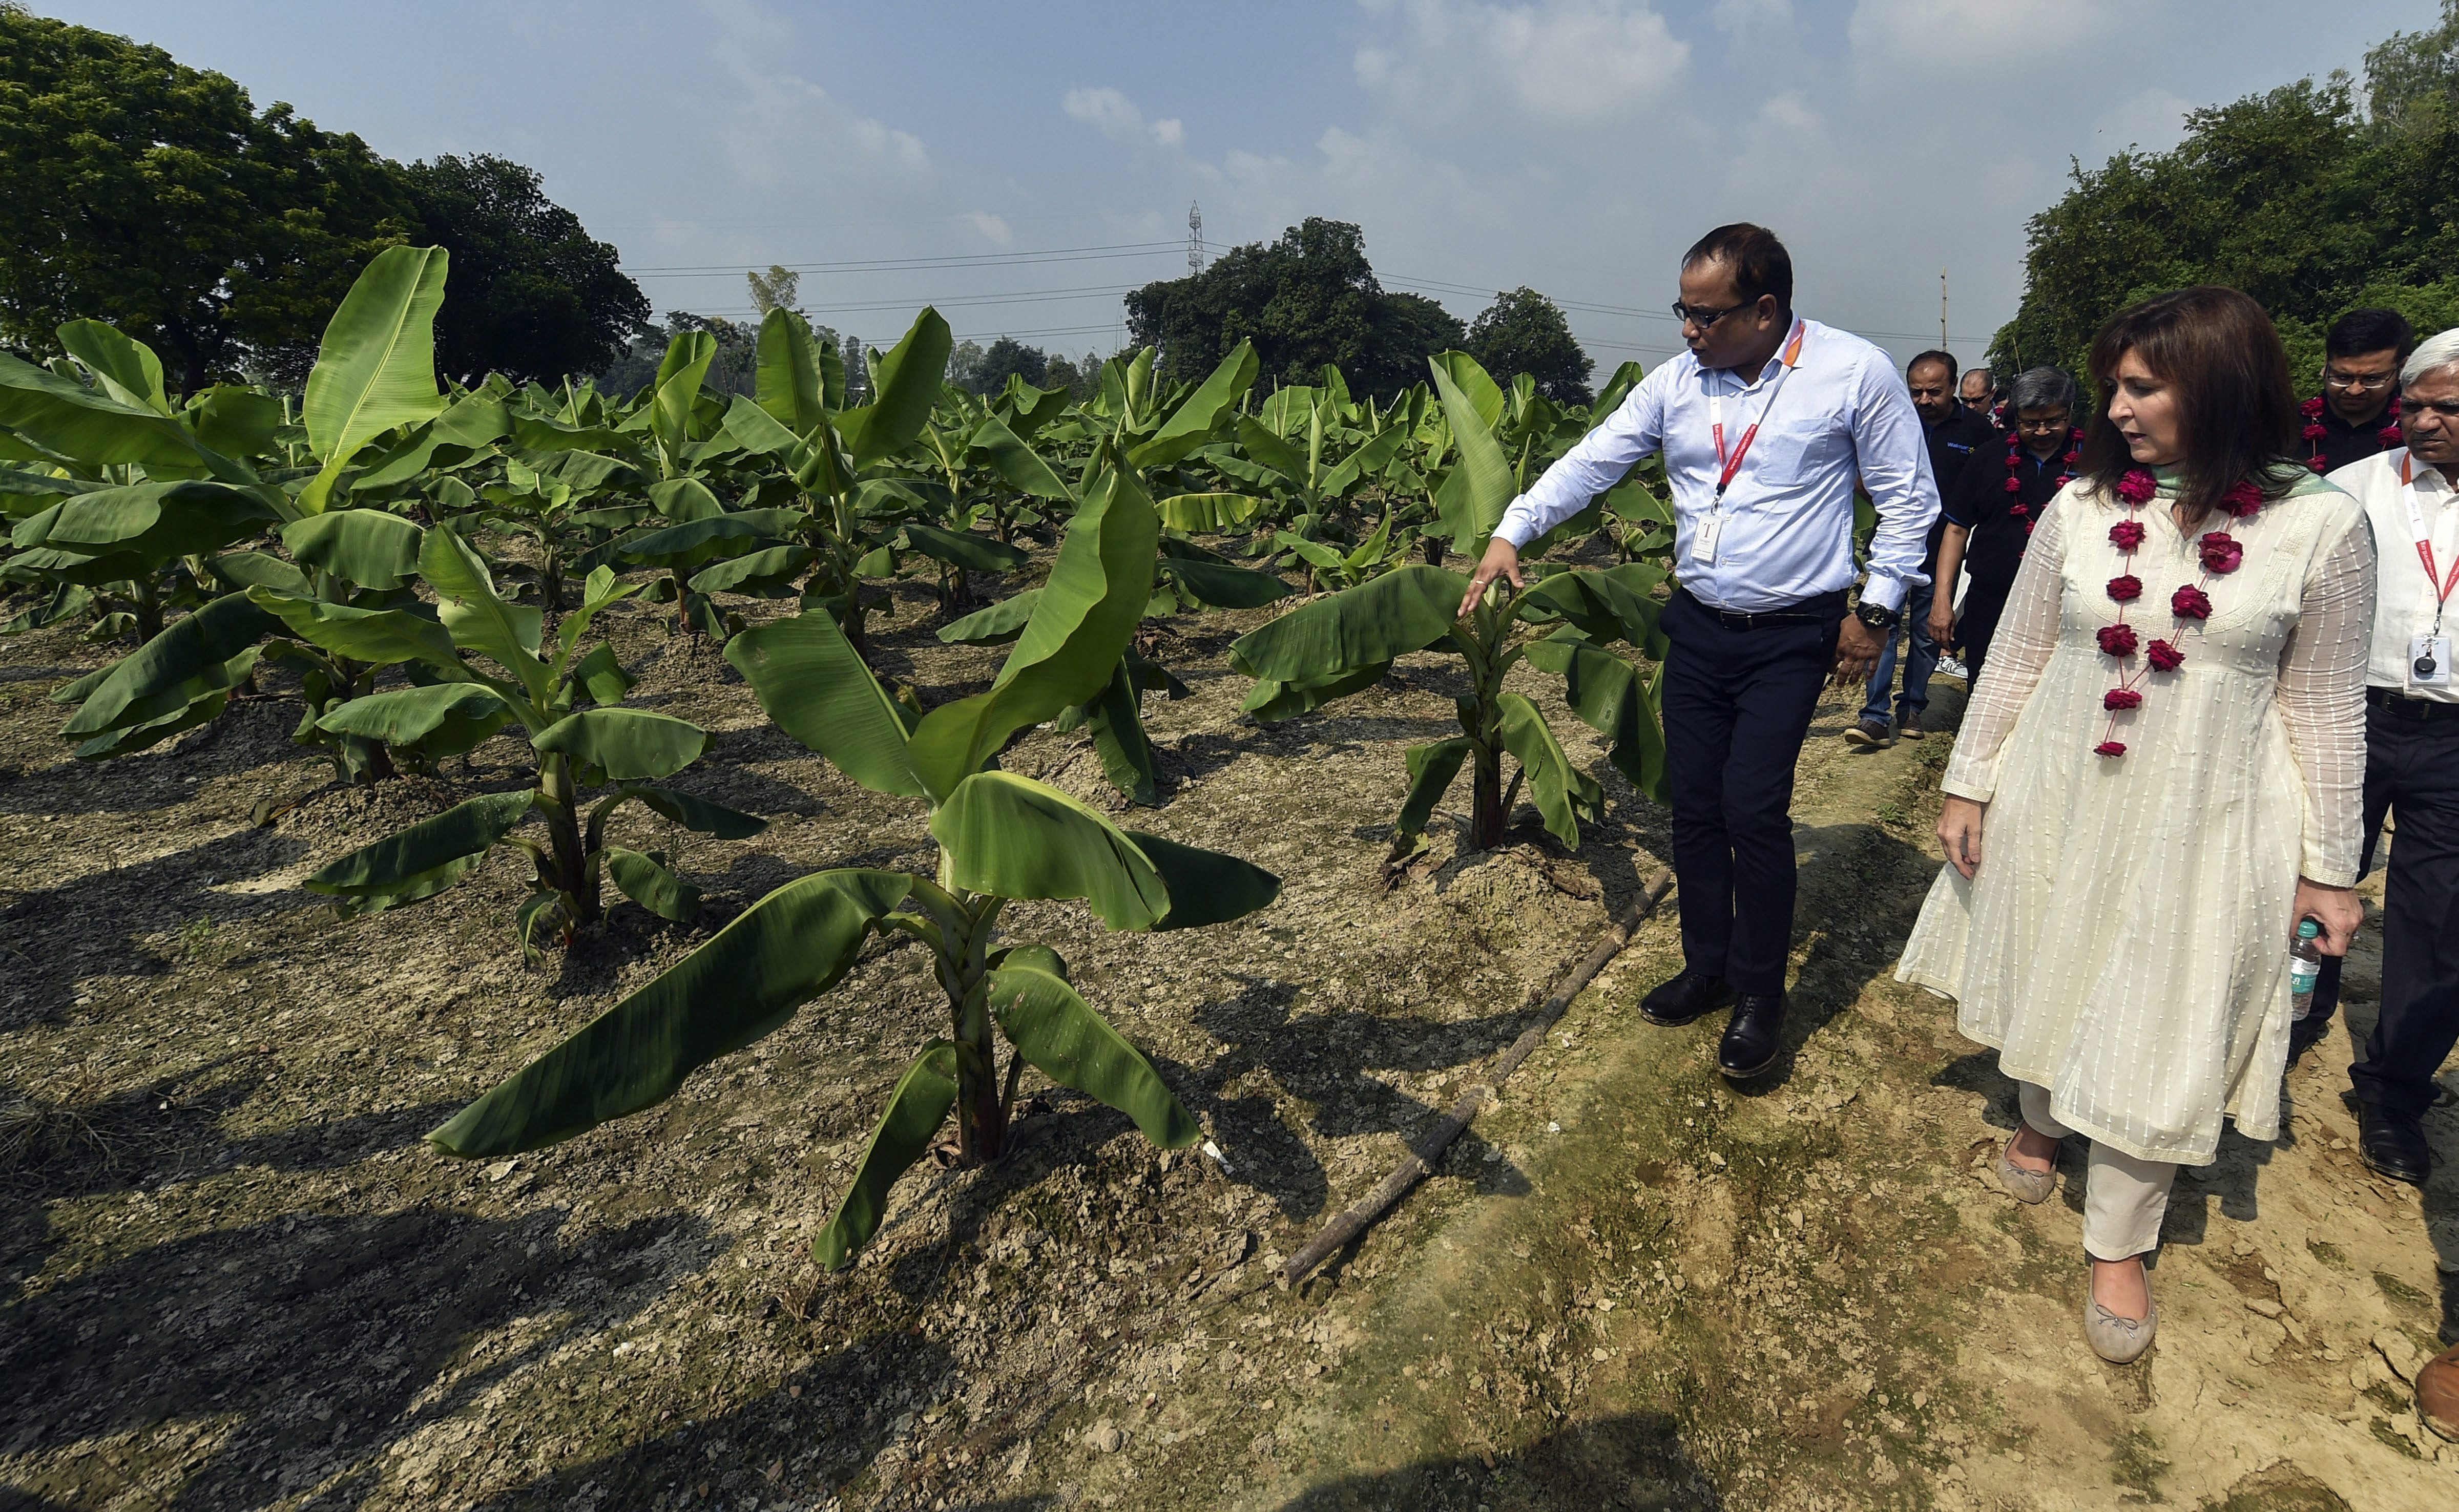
(233, 1277)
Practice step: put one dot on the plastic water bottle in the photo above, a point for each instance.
(2304, 965)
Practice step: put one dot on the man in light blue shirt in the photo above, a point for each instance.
(1764, 425)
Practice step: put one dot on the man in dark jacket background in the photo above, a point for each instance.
(2357, 412)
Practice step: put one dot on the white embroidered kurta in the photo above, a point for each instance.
(2124, 942)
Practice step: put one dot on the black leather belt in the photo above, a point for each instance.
(1820, 610)
(2410, 709)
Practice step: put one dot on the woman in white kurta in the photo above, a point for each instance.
(2168, 747)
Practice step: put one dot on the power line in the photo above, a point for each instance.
(1088, 254)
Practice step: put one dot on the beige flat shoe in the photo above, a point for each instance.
(2024, 1185)
(2118, 1340)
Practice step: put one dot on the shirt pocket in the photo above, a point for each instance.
(1800, 448)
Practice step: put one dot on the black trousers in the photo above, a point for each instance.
(1737, 702)
(2411, 765)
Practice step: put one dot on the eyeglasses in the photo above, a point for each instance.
(2360, 382)
(2057, 422)
(1694, 315)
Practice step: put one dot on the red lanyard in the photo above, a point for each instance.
(2442, 585)
(1742, 447)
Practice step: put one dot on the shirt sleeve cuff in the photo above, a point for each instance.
(1885, 591)
(1516, 528)
(2319, 867)
(1977, 786)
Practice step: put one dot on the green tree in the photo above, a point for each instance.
(1524, 332)
(533, 296)
(1307, 300)
(2414, 75)
(158, 199)
(778, 289)
(1006, 358)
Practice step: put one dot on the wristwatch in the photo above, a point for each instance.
(1877, 618)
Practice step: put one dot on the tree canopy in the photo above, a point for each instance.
(158, 198)
(2299, 196)
(533, 296)
(1524, 331)
(1307, 300)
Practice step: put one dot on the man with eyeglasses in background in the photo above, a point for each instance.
(2357, 413)
(1980, 392)
(1763, 426)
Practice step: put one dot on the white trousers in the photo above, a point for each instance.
(2123, 1198)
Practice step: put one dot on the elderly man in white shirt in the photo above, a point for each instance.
(2412, 499)
(1764, 427)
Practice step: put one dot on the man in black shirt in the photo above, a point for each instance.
(2357, 413)
(1953, 433)
(1996, 502)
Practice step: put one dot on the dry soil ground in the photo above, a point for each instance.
(237, 1278)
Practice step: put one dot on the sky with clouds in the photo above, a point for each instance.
(1045, 155)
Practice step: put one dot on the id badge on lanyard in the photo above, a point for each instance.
(1704, 540)
(2429, 654)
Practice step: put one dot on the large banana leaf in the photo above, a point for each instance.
(914, 1114)
(1015, 837)
(95, 429)
(424, 859)
(1115, 718)
(747, 981)
(409, 716)
(1067, 1041)
(1616, 700)
(153, 522)
(1611, 606)
(1562, 793)
(206, 706)
(1082, 623)
(808, 679)
(188, 660)
(475, 617)
(910, 379)
(1481, 487)
(1201, 413)
(362, 546)
(1431, 770)
(1017, 464)
(626, 744)
(695, 812)
(1221, 585)
(678, 389)
(1208, 514)
(646, 881)
(765, 574)
(126, 368)
(376, 637)
(1407, 609)
(376, 367)
(234, 421)
(788, 379)
(996, 626)
(1272, 700)
(681, 500)
(1205, 887)
(963, 549)
(699, 540)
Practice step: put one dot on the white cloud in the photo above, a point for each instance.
(1116, 117)
(1950, 40)
(1559, 63)
(782, 132)
(991, 228)
(1751, 15)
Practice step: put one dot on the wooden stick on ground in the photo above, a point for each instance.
(1422, 1155)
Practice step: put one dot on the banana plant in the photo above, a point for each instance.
(1001, 838)
(459, 702)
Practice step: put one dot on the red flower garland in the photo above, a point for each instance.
(2017, 509)
(2220, 553)
(2387, 437)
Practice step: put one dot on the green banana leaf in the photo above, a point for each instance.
(747, 982)
(475, 617)
(678, 389)
(915, 1109)
(1115, 718)
(234, 421)
(1083, 622)
(698, 813)
(1475, 494)
(963, 549)
(1611, 606)
(72, 421)
(206, 706)
(649, 884)
(696, 542)
(462, 713)
(1272, 700)
(375, 370)
(1223, 585)
(1205, 887)
(1208, 514)
(1015, 837)
(1431, 768)
(808, 679)
(996, 626)
(1614, 699)
(1564, 794)
(1201, 413)
(424, 859)
(189, 660)
(153, 522)
(377, 636)
(908, 381)
(362, 546)
(1018, 465)
(764, 574)
(1067, 1041)
(126, 368)
(626, 744)
(787, 380)
(1407, 609)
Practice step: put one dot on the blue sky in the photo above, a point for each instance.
(1573, 145)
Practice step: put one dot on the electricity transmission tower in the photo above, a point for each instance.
(1195, 236)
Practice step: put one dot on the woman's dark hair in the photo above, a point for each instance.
(2237, 412)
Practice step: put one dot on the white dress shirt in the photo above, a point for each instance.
(2404, 600)
(1787, 532)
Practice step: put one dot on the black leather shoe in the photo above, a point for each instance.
(2393, 1145)
(2304, 1034)
(1755, 1038)
(1681, 998)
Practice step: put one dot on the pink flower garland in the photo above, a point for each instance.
(2220, 553)
(2017, 508)
(2388, 436)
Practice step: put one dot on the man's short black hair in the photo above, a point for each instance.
(1759, 262)
(2369, 330)
(1919, 358)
